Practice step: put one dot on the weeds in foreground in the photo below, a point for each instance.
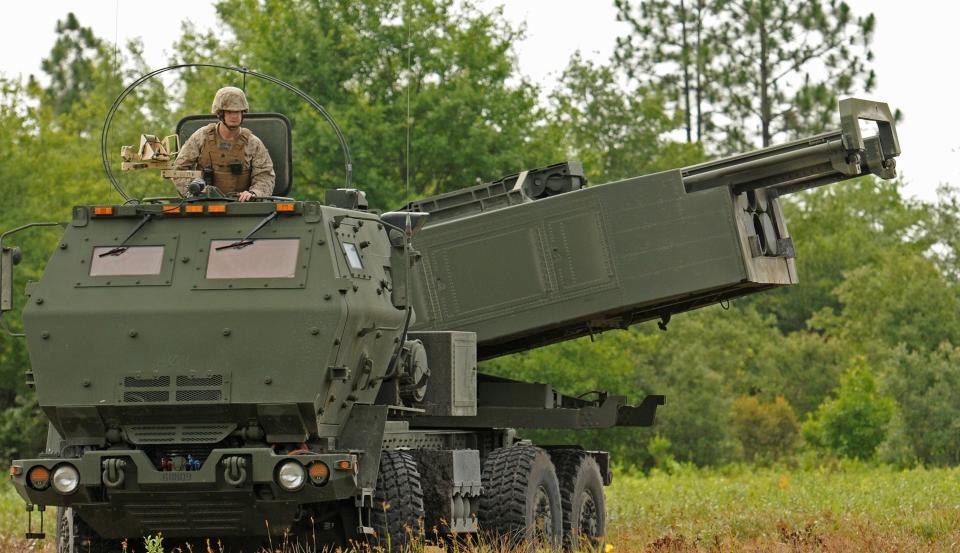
(855, 508)
(417, 545)
(153, 544)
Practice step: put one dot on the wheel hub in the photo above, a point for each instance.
(543, 514)
(589, 517)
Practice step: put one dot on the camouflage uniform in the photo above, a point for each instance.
(238, 165)
(256, 174)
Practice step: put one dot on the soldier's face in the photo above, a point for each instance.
(232, 119)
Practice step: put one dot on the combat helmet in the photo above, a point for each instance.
(229, 98)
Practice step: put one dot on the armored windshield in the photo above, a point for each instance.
(273, 258)
(130, 260)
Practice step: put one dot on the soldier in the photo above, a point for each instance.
(239, 160)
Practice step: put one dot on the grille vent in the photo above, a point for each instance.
(146, 396)
(136, 382)
(178, 433)
(189, 516)
(199, 395)
(183, 388)
(211, 380)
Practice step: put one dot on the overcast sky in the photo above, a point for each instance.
(915, 47)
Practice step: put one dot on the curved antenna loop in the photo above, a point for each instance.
(348, 163)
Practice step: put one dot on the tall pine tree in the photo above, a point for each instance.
(669, 48)
(775, 68)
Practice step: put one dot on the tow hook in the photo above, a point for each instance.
(235, 472)
(113, 472)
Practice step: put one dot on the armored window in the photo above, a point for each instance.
(259, 259)
(353, 256)
(128, 260)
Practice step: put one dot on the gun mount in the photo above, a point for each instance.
(155, 153)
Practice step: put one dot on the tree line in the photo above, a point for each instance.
(859, 360)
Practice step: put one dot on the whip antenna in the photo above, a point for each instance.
(406, 185)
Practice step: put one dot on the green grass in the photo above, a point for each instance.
(12, 514)
(702, 508)
(849, 507)
(13, 522)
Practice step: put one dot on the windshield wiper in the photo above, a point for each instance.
(121, 248)
(245, 241)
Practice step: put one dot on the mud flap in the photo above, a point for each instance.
(30, 534)
(362, 433)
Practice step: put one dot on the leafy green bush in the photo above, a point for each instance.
(659, 450)
(901, 299)
(855, 422)
(766, 431)
(897, 450)
(927, 385)
(22, 429)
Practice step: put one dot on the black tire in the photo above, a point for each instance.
(66, 532)
(72, 535)
(397, 502)
(581, 492)
(521, 496)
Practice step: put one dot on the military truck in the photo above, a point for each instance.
(248, 371)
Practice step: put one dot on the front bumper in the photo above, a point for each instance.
(198, 503)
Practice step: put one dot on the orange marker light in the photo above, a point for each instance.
(15, 470)
(194, 209)
(285, 208)
(171, 210)
(216, 208)
(103, 211)
(344, 465)
(39, 477)
(319, 472)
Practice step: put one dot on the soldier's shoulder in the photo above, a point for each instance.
(253, 139)
(202, 132)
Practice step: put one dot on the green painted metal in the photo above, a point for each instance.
(190, 503)
(150, 343)
(537, 270)
(264, 337)
(180, 341)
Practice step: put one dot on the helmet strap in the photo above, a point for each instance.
(221, 119)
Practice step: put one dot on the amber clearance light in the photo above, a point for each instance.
(285, 208)
(39, 477)
(194, 209)
(103, 210)
(319, 473)
(221, 208)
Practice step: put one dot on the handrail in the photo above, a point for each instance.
(6, 273)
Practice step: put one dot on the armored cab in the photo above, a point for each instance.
(234, 370)
(151, 345)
